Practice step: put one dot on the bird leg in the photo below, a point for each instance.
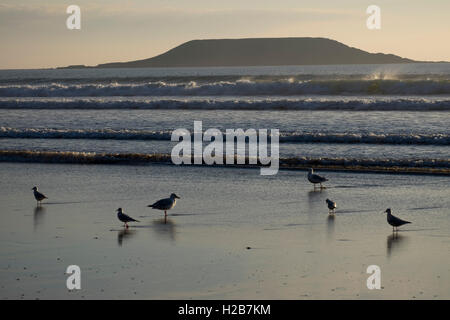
(165, 213)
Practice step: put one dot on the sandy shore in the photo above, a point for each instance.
(233, 234)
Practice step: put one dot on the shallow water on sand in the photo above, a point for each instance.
(296, 250)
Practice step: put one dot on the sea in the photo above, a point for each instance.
(386, 115)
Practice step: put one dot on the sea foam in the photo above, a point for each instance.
(240, 87)
(285, 137)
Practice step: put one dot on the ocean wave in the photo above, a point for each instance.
(308, 103)
(124, 134)
(367, 138)
(241, 87)
(392, 165)
(109, 78)
(285, 137)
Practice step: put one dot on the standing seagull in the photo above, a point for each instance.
(394, 221)
(331, 206)
(315, 178)
(124, 218)
(165, 204)
(38, 196)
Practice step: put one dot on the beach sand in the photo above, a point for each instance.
(233, 234)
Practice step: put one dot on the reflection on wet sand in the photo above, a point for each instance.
(38, 215)
(124, 234)
(395, 241)
(165, 228)
(315, 197)
(330, 226)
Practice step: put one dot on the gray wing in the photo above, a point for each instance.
(163, 204)
(316, 177)
(40, 196)
(127, 218)
(397, 221)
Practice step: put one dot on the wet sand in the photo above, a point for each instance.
(233, 235)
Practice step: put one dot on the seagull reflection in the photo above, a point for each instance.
(165, 228)
(38, 215)
(330, 226)
(124, 234)
(394, 242)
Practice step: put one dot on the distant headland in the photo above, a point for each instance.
(258, 52)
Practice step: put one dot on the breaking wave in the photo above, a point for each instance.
(308, 103)
(285, 137)
(240, 87)
(391, 165)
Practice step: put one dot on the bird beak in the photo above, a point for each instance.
(178, 197)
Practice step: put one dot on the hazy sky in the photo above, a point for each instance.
(33, 33)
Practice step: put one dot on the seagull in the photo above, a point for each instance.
(331, 206)
(394, 221)
(315, 178)
(125, 218)
(38, 196)
(165, 204)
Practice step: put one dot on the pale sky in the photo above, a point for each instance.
(33, 33)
